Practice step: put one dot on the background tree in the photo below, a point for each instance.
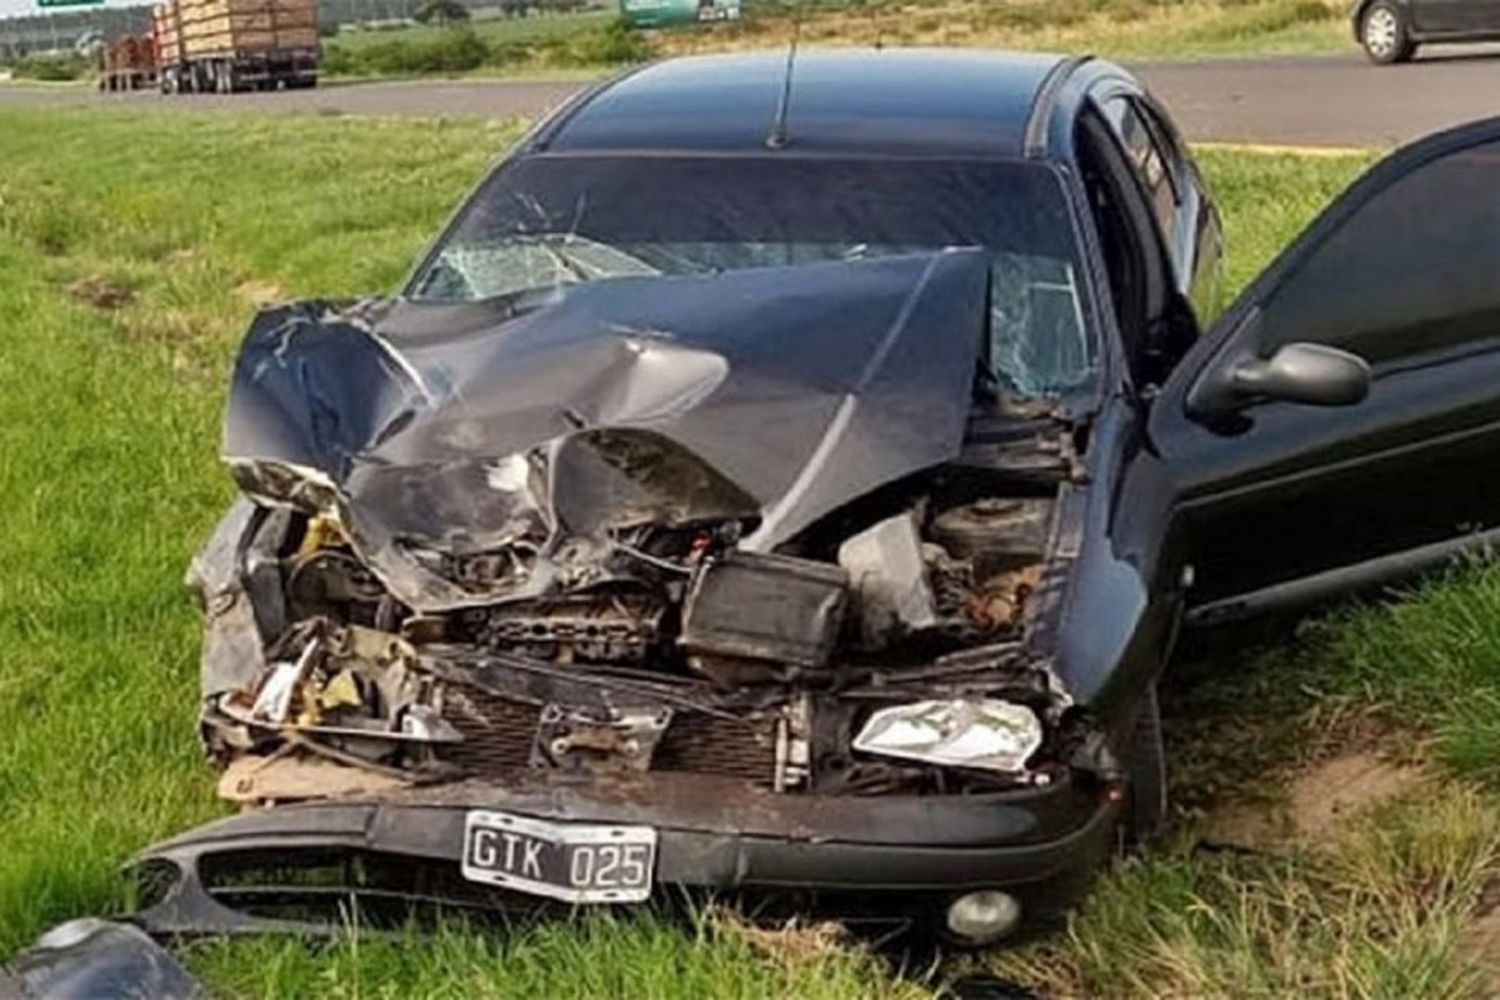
(442, 12)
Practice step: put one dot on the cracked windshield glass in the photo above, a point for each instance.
(559, 220)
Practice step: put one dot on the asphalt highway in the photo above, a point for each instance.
(1335, 101)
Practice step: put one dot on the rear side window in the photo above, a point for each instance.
(1149, 161)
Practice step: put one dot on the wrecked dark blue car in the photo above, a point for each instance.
(791, 479)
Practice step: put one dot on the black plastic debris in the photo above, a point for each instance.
(89, 958)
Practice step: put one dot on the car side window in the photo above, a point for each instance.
(1150, 160)
(1132, 254)
(1413, 271)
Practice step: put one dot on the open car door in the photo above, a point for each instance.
(1340, 426)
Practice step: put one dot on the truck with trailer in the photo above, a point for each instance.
(227, 46)
(128, 63)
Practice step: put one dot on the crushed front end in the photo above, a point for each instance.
(566, 604)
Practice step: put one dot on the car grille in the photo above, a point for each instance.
(498, 735)
(335, 886)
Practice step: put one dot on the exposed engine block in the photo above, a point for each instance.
(591, 628)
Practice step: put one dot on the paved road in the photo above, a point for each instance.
(1330, 101)
(420, 99)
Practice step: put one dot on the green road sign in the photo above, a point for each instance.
(69, 3)
(666, 13)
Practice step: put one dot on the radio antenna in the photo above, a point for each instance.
(778, 137)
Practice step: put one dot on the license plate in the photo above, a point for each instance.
(574, 862)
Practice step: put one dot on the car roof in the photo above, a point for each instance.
(841, 101)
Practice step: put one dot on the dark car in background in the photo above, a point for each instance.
(1391, 30)
(796, 485)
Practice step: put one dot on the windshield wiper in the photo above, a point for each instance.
(564, 262)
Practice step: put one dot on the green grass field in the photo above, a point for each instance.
(1126, 29)
(583, 44)
(575, 45)
(131, 256)
(495, 30)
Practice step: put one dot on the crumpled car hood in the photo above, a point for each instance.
(773, 395)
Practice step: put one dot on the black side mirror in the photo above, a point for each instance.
(1314, 374)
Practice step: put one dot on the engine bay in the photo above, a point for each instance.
(679, 651)
(642, 527)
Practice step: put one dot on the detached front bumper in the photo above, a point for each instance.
(1041, 845)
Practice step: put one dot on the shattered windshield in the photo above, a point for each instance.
(553, 220)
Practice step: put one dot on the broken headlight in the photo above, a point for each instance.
(981, 733)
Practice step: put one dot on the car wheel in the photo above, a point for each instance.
(1384, 34)
(1146, 802)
